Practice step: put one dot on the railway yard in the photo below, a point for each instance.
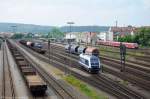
(56, 71)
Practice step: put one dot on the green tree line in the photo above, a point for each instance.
(55, 33)
(17, 36)
(142, 37)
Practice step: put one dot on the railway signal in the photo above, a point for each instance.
(70, 23)
(122, 56)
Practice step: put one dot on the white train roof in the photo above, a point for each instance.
(86, 56)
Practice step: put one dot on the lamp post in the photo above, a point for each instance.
(52, 47)
(70, 23)
(49, 50)
(14, 28)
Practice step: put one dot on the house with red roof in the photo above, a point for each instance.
(123, 31)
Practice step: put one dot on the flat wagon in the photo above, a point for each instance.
(34, 82)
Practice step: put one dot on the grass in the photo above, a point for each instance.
(79, 85)
(129, 55)
(113, 55)
(88, 91)
(136, 54)
(111, 50)
(124, 82)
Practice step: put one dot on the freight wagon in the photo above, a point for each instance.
(36, 85)
(34, 82)
(75, 49)
(36, 46)
(89, 57)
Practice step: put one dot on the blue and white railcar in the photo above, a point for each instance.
(38, 45)
(81, 49)
(74, 49)
(68, 47)
(90, 62)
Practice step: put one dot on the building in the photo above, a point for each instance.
(70, 37)
(82, 37)
(89, 37)
(102, 36)
(123, 31)
(106, 35)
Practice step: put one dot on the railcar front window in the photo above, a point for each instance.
(86, 62)
(94, 62)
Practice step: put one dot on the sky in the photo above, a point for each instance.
(81, 12)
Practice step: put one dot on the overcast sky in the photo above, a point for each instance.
(82, 12)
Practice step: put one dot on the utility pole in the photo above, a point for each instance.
(49, 50)
(14, 28)
(52, 48)
(91, 31)
(116, 23)
(70, 23)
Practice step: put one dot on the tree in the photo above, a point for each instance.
(17, 36)
(55, 33)
(29, 35)
(127, 38)
(143, 36)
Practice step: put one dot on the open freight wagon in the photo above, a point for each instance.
(34, 82)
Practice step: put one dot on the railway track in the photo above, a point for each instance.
(110, 87)
(137, 59)
(135, 65)
(120, 87)
(8, 90)
(131, 69)
(125, 76)
(141, 67)
(140, 60)
(140, 50)
(61, 91)
(51, 81)
(135, 72)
